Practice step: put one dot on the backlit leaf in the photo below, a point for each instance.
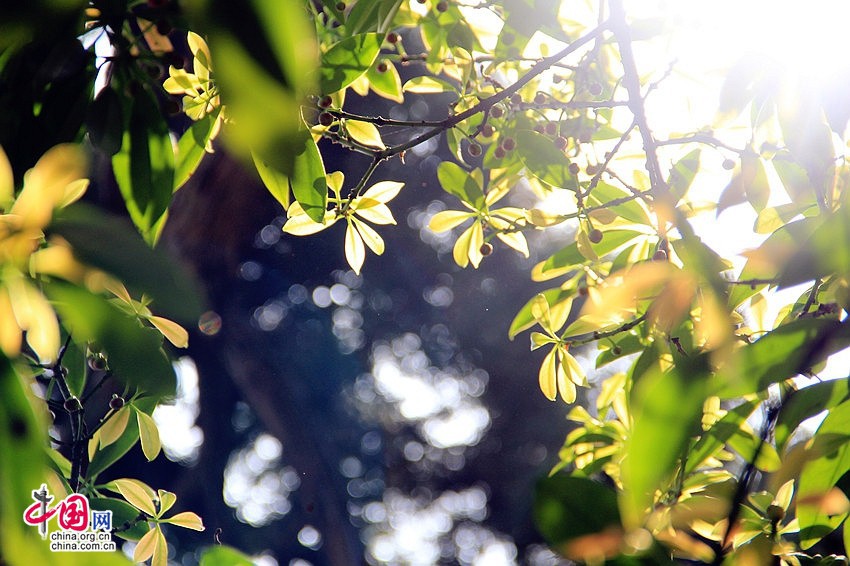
(347, 60)
(459, 183)
(448, 219)
(187, 520)
(308, 181)
(115, 426)
(364, 132)
(148, 435)
(175, 333)
(428, 85)
(830, 451)
(138, 494)
(543, 160)
(355, 251)
(547, 376)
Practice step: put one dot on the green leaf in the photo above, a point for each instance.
(667, 411)
(788, 351)
(570, 257)
(23, 462)
(105, 121)
(543, 160)
(386, 84)
(808, 402)
(365, 133)
(347, 60)
(769, 259)
(129, 259)
(144, 168)
(276, 182)
(108, 455)
(682, 175)
(569, 509)
(525, 319)
(830, 448)
(148, 435)
(191, 147)
(428, 85)
(134, 352)
(375, 15)
(137, 494)
(224, 556)
(308, 182)
(290, 37)
(819, 256)
(631, 210)
(461, 184)
(716, 437)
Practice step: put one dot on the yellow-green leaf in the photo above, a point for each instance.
(187, 520)
(538, 340)
(515, 240)
(427, 85)
(547, 377)
(448, 219)
(137, 494)
(369, 236)
(383, 191)
(175, 333)
(166, 500)
(355, 252)
(148, 435)
(115, 426)
(92, 446)
(374, 211)
(146, 546)
(365, 133)
(7, 181)
(540, 312)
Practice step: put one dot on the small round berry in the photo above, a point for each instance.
(497, 111)
(516, 99)
(561, 143)
(486, 248)
(574, 168)
(487, 130)
(340, 6)
(72, 405)
(616, 350)
(539, 98)
(539, 129)
(442, 6)
(582, 290)
(326, 118)
(659, 255)
(325, 102)
(96, 362)
(421, 1)
(592, 169)
(474, 149)
(595, 236)
(508, 144)
(557, 79)
(499, 152)
(775, 513)
(116, 402)
(551, 128)
(393, 37)
(382, 67)
(595, 89)
(172, 107)
(728, 164)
